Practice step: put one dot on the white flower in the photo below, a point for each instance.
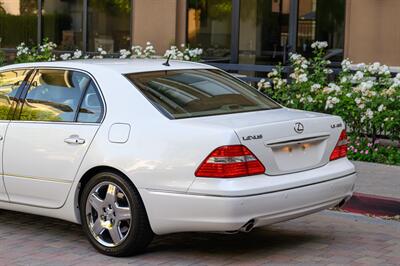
(319, 45)
(274, 73)
(310, 99)
(381, 108)
(369, 113)
(263, 84)
(397, 76)
(65, 56)
(77, 54)
(330, 102)
(123, 53)
(346, 64)
(361, 66)
(328, 71)
(343, 80)
(374, 68)
(315, 87)
(384, 70)
(332, 87)
(348, 94)
(295, 57)
(358, 76)
(302, 78)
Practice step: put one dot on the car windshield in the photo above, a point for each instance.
(199, 92)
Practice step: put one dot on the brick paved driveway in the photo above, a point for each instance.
(320, 239)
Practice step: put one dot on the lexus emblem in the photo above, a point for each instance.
(299, 127)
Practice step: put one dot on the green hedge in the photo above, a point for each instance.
(23, 28)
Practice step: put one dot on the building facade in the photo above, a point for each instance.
(235, 31)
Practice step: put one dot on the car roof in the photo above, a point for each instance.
(122, 66)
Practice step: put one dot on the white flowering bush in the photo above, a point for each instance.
(77, 54)
(43, 52)
(367, 97)
(184, 53)
(138, 51)
(46, 52)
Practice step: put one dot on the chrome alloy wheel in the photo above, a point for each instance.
(108, 214)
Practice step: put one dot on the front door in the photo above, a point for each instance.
(45, 146)
(10, 82)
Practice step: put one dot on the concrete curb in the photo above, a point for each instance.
(372, 204)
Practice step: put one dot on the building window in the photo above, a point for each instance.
(62, 23)
(323, 21)
(18, 22)
(209, 27)
(109, 25)
(264, 27)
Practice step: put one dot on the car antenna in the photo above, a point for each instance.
(167, 62)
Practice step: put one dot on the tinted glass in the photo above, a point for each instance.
(54, 96)
(91, 107)
(209, 27)
(202, 92)
(264, 26)
(321, 20)
(109, 24)
(9, 83)
(62, 23)
(18, 22)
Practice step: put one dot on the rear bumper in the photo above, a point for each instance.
(181, 212)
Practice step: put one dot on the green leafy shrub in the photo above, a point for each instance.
(41, 53)
(363, 149)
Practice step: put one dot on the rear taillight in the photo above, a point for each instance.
(230, 161)
(340, 150)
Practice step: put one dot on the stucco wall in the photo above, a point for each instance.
(373, 31)
(162, 22)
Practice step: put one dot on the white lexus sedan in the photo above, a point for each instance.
(133, 148)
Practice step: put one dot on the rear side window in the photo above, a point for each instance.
(91, 108)
(54, 95)
(10, 81)
(199, 92)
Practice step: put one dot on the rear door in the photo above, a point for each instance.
(56, 122)
(11, 84)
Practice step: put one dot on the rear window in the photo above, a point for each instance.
(199, 92)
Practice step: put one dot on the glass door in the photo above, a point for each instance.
(264, 27)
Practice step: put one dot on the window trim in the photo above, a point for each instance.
(23, 94)
(20, 90)
(171, 116)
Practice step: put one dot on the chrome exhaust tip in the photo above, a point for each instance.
(343, 202)
(248, 226)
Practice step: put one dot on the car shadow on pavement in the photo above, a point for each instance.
(265, 239)
(41, 235)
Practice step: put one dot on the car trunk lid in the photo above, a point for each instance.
(285, 140)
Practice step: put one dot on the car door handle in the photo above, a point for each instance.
(74, 139)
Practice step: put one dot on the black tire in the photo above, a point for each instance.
(140, 234)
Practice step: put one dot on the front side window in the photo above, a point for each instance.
(10, 81)
(54, 95)
(200, 92)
